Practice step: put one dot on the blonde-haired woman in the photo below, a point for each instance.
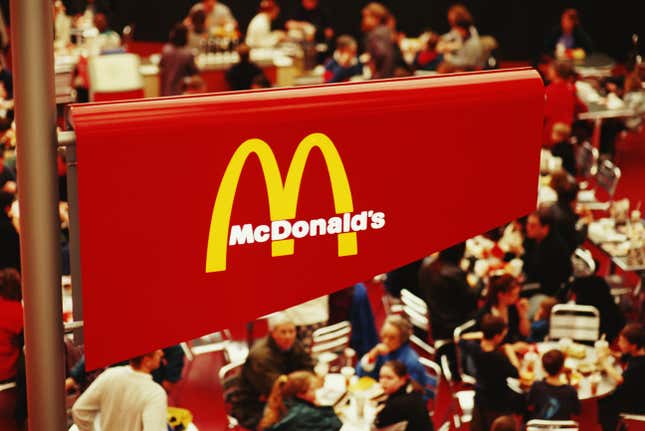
(292, 406)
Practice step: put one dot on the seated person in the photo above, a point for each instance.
(540, 324)
(570, 223)
(344, 64)
(278, 353)
(461, 47)
(429, 58)
(563, 148)
(551, 399)
(504, 301)
(258, 33)
(494, 363)
(312, 20)
(568, 38)
(629, 396)
(292, 406)
(404, 401)
(240, 75)
(394, 345)
(547, 255)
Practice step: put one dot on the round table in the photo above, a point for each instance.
(606, 385)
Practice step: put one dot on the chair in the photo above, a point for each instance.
(587, 160)
(607, 177)
(542, 425)
(629, 422)
(578, 322)
(463, 394)
(458, 337)
(229, 377)
(115, 77)
(433, 370)
(583, 263)
(220, 341)
(333, 338)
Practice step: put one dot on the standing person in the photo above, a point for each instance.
(550, 399)
(218, 15)
(395, 345)
(404, 401)
(240, 76)
(276, 354)
(461, 47)
(629, 396)
(568, 37)
(177, 62)
(259, 34)
(292, 406)
(379, 40)
(11, 329)
(126, 398)
(494, 363)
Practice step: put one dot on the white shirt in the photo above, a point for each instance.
(126, 400)
(258, 34)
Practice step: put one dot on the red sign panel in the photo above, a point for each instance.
(196, 212)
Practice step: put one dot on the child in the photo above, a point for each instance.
(494, 363)
(540, 324)
(344, 64)
(551, 399)
(291, 406)
(429, 58)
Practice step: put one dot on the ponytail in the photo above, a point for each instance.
(284, 387)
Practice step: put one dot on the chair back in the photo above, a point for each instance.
(629, 422)
(542, 425)
(333, 338)
(608, 176)
(586, 160)
(460, 354)
(578, 322)
(229, 378)
(416, 311)
(434, 370)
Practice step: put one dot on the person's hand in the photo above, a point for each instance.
(379, 349)
(523, 307)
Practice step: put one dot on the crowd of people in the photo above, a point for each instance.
(511, 309)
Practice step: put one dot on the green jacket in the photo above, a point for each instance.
(306, 416)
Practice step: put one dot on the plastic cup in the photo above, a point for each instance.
(594, 382)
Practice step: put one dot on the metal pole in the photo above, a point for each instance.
(33, 60)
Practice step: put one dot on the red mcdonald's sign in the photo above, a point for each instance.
(196, 212)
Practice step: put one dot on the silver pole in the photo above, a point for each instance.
(33, 64)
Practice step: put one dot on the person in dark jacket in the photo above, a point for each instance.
(547, 256)
(240, 76)
(565, 218)
(595, 291)
(551, 399)
(276, 354)
(292, 406)
(379, 40)
(569, 35)
(404, 401)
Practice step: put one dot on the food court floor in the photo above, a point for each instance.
(200, 392)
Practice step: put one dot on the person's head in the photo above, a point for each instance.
(209, 5)
(10, 285)
(309, 4)
(503, 290)
(395, 332)
(504, 423)
(148, 362)
(553, 362)
(271, 8)
(544, 312)
(260, 81)
(539, 224)
(346, 44)
(569, 20)
(632, 339)
(566, 187)
(453, 254)
(299, 384)
(244, 52)
(179, 35)
(392, 376)
(374, 14)
(100, 22)
(282, 330)
(198, 20)
(561, 132)
(457, 13)
(494, 328)
(561, 71)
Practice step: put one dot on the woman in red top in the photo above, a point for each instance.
(10, 343)
(561, 100)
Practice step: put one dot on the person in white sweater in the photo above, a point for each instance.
(258, 33)
(124, 398)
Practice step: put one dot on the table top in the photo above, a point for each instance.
(621, 244)
(606, 384)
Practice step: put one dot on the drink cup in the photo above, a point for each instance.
(594, 382)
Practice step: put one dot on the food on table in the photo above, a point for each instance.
(576, 351)
(362, 384)
(586, 368)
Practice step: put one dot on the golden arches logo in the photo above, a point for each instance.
(282, 197)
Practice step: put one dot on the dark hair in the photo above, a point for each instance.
(500, 284)
(572, 14)
(634, 333)
(545, 216)
(492, 326)
(179, 35)
(399, 368)
(453, 254)
(553, 361)
(5, 124)
(504, 423)
(6, 198)
(463, 23)
(198, 18)
(565, 186)
(10, 284)
(244, 52)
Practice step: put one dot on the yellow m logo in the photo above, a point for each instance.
(283, 198)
